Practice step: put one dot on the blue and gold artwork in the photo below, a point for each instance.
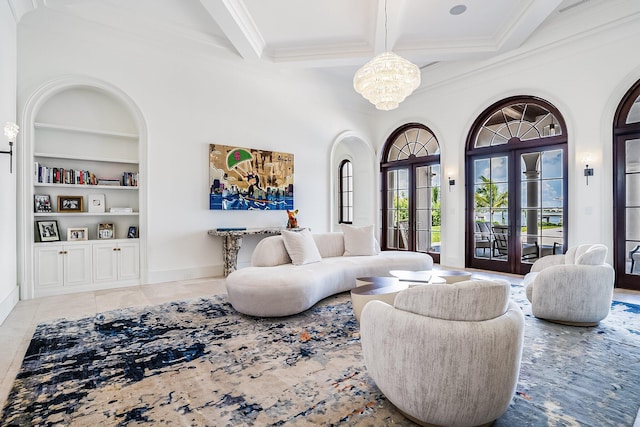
(249, 179)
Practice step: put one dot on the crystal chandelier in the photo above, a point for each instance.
(387, 79)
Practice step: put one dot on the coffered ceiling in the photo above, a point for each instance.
(327, 34)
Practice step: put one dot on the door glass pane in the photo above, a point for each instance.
(427, 214)
(633, 224)
(491, 217)
(542, 201)
(633, 189)
(632, 156)
(398, 212)
(632, 199)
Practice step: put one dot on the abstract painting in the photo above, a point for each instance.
(249, 179)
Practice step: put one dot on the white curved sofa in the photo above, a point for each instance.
(272, 286)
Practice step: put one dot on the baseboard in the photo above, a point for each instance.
(162, 276)
(7, 305)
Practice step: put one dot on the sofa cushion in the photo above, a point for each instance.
(471, 300)
(359, 241)
(300, 246)
(270, 252)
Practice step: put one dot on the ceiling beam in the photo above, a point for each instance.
(237, 24)
(532, 16)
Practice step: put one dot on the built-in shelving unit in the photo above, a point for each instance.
(79, 135)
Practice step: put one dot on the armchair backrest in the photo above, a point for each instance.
(471, 300)
(589, 254)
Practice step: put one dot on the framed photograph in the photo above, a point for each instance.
(42, 203)
(133, 232)
(77, 234)
(106, 231)
(48, 231)
(70, 203)
(96, 203)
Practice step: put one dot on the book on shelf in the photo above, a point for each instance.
(53, 175)
(130, 179)
(120, 210)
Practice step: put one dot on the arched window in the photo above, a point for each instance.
(411, 197)
(516, 185)
(626, 170)
(346, 192)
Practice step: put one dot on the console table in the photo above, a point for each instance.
(232, 240)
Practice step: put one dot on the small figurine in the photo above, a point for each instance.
(293, 221)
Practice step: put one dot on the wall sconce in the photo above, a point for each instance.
(10, 131)
(452, 182)
(587, 170)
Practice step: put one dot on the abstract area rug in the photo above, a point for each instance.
(201, 363)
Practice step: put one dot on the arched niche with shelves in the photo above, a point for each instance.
(84, 146)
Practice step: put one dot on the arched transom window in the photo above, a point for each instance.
(517, 122)
(413, 142)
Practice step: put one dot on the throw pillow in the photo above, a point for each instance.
(359, 240)
(301, 247)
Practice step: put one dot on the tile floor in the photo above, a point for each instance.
(17, 329)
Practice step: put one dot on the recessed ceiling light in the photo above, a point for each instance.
(458, 9)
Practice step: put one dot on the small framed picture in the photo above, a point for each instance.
(106, 231)
(70, 203)
(96, 203)
(48, 231)
(42, 203)
(77, 234)
(133, 232)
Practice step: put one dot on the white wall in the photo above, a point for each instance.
(192, 96)
(8, 66)
(584, 74)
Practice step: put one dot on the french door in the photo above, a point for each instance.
(626, 190)
(410, 171)
(518, 208)
(412, 208)
(516, 185)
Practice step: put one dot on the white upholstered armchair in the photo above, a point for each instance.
(575, 288)
(446, 354)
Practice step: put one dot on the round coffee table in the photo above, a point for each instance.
(380, 288)
(453, 276)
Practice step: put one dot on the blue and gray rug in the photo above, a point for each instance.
(200, 363)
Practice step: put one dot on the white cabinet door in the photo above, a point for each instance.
(105, 262)
(49, 269)
(77, 265)
(63, 265)
(128, 260)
